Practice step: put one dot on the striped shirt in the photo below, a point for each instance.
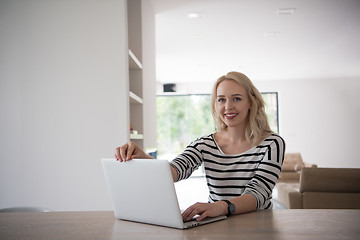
(231, 175)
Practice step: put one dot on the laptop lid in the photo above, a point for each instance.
(142, 190)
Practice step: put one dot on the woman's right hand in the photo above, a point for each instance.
(129, 151)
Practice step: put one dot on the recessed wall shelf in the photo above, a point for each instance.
(134, 63)
(135, 99)
(136, 136)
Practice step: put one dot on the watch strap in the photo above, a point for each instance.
(231, 206)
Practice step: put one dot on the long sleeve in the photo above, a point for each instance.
(267, 173)
(188, 161)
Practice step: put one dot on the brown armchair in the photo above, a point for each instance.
(323, 188)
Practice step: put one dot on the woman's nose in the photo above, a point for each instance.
(228, 105)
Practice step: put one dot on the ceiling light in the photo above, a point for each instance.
(286, 11)
(193, 15)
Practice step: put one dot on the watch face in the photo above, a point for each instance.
(232, 208)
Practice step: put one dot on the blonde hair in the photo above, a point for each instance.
(257, 126)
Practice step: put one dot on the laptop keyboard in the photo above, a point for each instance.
(191, 220)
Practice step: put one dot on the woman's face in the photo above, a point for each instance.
(232, 103)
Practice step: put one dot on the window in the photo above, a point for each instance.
(271, 109)
(183, 118)
(180, 120)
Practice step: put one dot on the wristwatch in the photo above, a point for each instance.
(231, 208)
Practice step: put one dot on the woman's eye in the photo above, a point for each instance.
(221, 100)
(237, 99)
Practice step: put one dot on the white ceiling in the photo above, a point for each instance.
(320, 40)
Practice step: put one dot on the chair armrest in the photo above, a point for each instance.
(310, 165)
(289, 195)
(295, 200)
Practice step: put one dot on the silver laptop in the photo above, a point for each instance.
(142, 190)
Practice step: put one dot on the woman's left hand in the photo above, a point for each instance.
(204, 210)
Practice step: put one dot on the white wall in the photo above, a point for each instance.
(62, 100)
(320, 118)
(188, 88)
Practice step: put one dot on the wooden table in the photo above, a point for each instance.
(266, 224)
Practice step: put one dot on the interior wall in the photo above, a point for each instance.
(62, 100)
(318, 117)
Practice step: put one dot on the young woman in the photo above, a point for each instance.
(242, 159)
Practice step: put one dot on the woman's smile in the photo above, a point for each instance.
(230, 116)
